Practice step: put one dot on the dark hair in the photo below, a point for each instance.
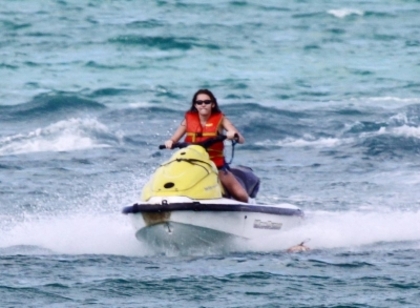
(215, 109)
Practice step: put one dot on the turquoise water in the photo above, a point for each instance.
(327, 95)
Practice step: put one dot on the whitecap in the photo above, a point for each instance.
(344, 12)
(67, 135)
(405, 131)
(307, 141)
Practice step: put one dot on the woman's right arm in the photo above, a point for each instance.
(231, 130)
(180, 131)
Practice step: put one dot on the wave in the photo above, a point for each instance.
(254, 109)
(160, 42)
(394, 142)
(383, 133)
(12, 26)
(308, 15)
(8, 66)
(9, 167)
(146, 24)
(67, 135)
(391, 142)
(380, 14)
(164, 42)
(112, 92)
(47, 104)
(155, 90)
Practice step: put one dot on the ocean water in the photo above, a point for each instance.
(326, 93)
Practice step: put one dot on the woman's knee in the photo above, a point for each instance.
(233, 186)
(242, 195)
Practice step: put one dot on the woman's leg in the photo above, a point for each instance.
(233, 186)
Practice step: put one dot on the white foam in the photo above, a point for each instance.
(344, 12)
(67, 135)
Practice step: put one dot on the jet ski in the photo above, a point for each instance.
(184, 205)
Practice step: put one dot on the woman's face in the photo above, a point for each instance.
(204, 104)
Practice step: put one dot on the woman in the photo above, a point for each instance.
(205, 120)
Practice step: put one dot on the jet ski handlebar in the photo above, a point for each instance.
(205, 144)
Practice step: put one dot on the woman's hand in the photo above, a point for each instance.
(168, 144)
(231, 131)
(231, 134)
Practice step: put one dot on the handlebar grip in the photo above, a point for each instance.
(205, 144)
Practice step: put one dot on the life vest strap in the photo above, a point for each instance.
(195, 135)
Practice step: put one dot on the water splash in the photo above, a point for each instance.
(348, 230)
(79, 233)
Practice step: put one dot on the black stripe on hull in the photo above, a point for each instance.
(210, 207)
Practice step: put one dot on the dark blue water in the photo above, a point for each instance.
(327, 96)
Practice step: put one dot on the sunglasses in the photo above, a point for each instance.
(207, 102)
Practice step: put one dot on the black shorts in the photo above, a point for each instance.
(225, 167)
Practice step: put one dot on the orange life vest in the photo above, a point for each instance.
(195, 132)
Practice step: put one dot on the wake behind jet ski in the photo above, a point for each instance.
(184, 205)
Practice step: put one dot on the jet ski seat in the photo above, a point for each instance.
(247, 179)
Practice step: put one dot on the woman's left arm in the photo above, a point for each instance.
(231, 130)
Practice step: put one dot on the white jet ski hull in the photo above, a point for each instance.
(181, 223)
